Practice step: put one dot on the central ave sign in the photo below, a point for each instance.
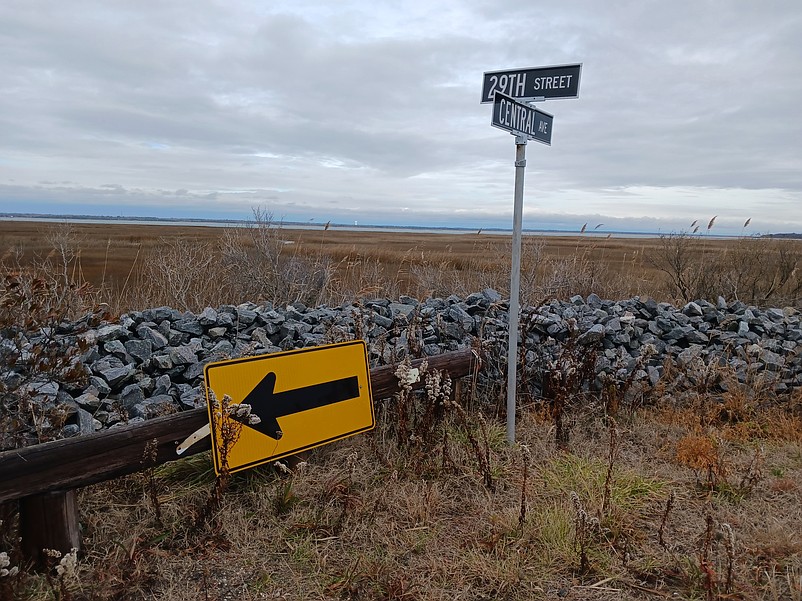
(560, 81)
(304, 399)
(521, 119)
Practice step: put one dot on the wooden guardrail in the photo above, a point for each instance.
(44, 476)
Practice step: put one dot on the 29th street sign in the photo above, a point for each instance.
(561, 81)
(522, 119)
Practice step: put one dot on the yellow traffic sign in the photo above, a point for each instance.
(303, 399)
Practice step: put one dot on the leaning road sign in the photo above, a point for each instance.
(560, 81)
(303, 398)
(521, 119)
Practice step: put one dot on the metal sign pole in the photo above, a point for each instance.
(508, 91)
(515, 284)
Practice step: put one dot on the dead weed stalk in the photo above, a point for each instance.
(585, 527)
(229, 419)
(612, 454)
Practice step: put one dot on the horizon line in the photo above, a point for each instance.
(308, 225)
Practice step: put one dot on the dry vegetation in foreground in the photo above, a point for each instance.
(692, 499)
(655, 503)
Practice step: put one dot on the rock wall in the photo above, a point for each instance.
(151, 362)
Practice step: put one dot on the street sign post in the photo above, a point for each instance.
(536, 83)
(504, 89)
(303, 398)
(521, 119)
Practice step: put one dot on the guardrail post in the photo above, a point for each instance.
(49, 521)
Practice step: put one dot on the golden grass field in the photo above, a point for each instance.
(698, 497)
(111, 255)
(114, 248)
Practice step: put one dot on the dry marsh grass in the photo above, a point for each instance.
(191, 267)
(368, 518)
(684, 498)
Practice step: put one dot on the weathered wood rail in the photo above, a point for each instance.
(44, 477)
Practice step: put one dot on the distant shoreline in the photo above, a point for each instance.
(200, 222)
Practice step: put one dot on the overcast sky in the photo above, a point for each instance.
(370, 111)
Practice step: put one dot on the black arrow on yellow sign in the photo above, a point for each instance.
(270, 405)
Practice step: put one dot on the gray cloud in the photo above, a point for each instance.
(318, 107)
